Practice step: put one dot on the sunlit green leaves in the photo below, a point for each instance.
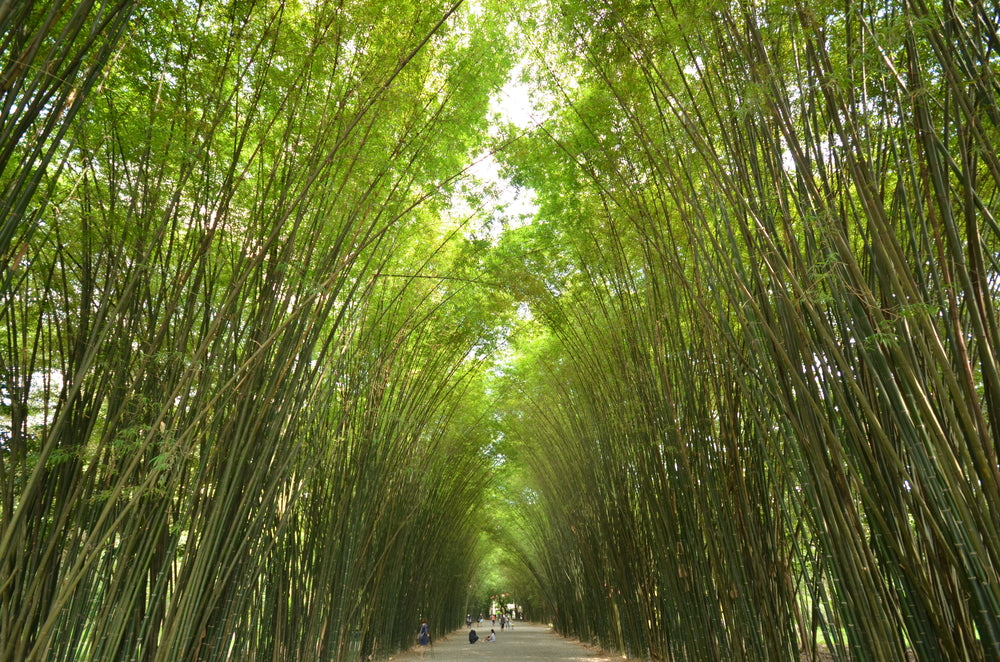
(752, 341)
(745, 390)
(268, 349)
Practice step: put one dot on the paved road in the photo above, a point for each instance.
(527, 642)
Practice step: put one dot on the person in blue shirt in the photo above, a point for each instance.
(424, 637)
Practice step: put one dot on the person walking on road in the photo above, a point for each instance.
(424, 637)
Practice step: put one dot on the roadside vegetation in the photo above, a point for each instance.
(282, 373)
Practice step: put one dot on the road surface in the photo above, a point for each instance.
(527, 642)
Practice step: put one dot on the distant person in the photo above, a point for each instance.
(493, 619)
(473, 637)
(468, 620)
(423, 637)
(492, 636)
(480, 618)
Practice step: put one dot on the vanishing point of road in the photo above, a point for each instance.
(526, 642)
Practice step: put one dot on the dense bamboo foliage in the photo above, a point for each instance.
(765, 420)
(254, 367)
(53, 55)
(242, 355)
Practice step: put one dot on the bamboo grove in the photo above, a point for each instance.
(768, 394)
(267, 348)
(240, 394)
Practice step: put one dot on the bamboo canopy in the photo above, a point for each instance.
(283, 370)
